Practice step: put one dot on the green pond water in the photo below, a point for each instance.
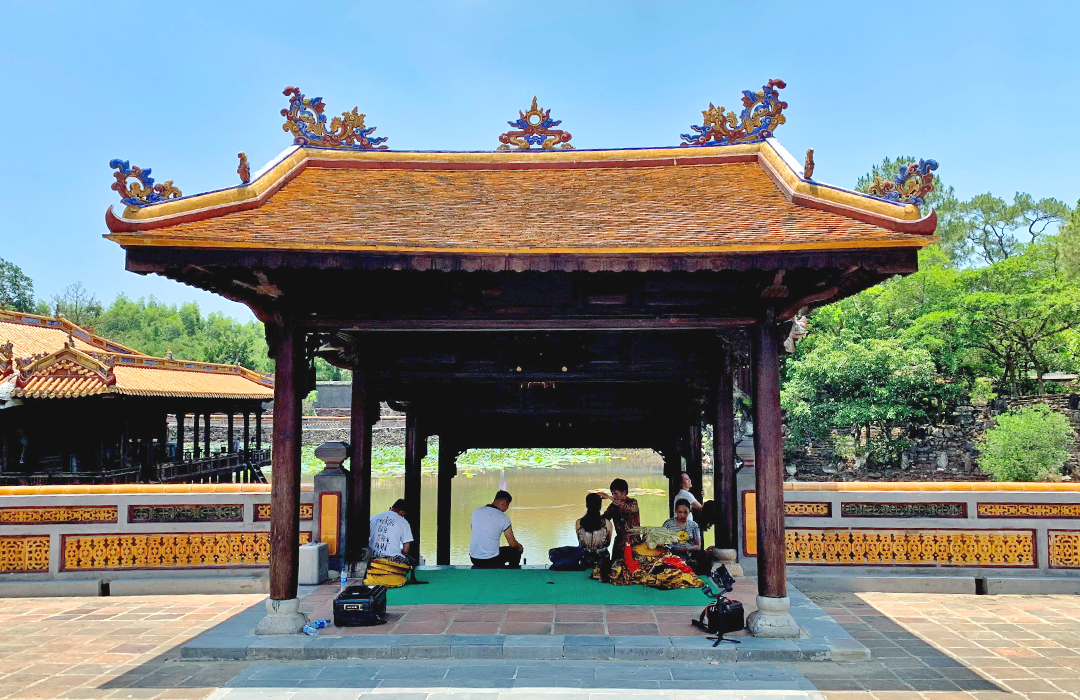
(546, 503)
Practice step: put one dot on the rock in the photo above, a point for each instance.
(791, 469)
(942, 460)
(829, 470)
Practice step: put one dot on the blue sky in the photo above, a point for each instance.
(988, 89)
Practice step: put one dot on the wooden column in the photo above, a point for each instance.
(179, 437)
(247, 436)
(725, 492)
(673, 472)
(693, 452)
(769, 461)
(196, 446)
(229, 432)
(413, 455)
(285, 482)
(206, 434)
(360, 462)
(258, 429)
(447, 471)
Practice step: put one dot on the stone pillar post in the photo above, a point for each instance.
(331, 501)
(772, 618)
(283, 607)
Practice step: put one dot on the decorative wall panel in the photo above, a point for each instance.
(858, 509)
(231, 513)
(1029, 510)
(57, 515)
(987, 548)
(262, 511)
(808, 509)
(1064, 549)
(24, 554)
(189, 550)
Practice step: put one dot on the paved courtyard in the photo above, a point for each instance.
(928, 647)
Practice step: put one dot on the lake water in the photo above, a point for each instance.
(546, 501)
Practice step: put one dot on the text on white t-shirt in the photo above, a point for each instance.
(389, 533)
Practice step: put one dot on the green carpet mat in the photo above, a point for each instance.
(531, 587)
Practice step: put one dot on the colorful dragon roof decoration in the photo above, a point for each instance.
(534, 129)
(910, 185)
(305, 120)
(142, 190)
(760, 116)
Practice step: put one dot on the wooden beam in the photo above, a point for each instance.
(769, 460)
(725, 493)
(285, 485)
(447, 471)
(569, 323)
(360, 462)
(413, 455)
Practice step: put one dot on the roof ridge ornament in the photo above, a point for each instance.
(305, 120)
(760, 116)
(534, 129)
(142, 191)
(910, 185)
(243, 170)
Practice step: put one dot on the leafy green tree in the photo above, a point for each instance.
(1027, 444)
(16, 289)
(995, 230)
(1069, 244)
(78, 305)
(877, 389)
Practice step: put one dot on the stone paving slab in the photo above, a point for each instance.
(824, 639)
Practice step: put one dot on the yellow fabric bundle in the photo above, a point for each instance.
(387, 572)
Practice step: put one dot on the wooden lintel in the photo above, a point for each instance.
(536, 324)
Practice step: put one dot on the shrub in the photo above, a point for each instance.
(1027, 444)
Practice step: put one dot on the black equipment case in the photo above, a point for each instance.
(360, 605)
(723, 616)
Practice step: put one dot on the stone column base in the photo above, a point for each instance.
(728, 557)
(282, 617)
(772, 619)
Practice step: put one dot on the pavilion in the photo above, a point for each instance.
(531, 296)
(78, 408)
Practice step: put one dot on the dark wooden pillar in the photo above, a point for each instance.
(693, 452)
(206, 434)
(360, 462)
(725, 491)
(247, 436)
(258, 429)
(413, 454)
(447, 471)
(229, 431)
(769, 461)
(673, 472)
(285, 481)
(196, 446)
(179, 437)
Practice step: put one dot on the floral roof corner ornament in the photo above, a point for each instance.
(910, 185)
(533, 128)
(243, 170)
(305, 120)
(137, 188)
(761, 114)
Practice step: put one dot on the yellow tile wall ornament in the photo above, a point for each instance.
(1029, 510)
(262, 511)
(168, 551)
(24, 554)
(997, 548)
(59, 515)
(1064, 549)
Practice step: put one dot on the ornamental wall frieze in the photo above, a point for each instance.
(58, 515)
(230, 513)
(1029, 510)
(194, 550)
(262, 511)
(807, 509)
(976, 548)
(859, 509)
(24, 554)
(1064, 549)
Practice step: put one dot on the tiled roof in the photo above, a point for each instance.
(728, 199)
(44, 362)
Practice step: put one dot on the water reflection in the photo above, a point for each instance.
(546, 501)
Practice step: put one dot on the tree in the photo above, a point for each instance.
(16, 289)
(78, 305)
(877, 389)
(995, 230)
(1027, 444)
(1069, 244)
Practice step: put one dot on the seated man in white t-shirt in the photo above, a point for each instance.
(391, 533)
(489, 524)
(695, 505)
